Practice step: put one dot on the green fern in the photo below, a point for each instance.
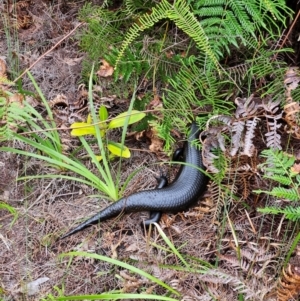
(250, 15)
(278, 168)
(131, 64)
(182, 16)
(263, 64)
(222, 23)
(281, 179)
(196, 78)
(137, 7)
(277, 163)
(193, 87)
(289, 212)
(104, 30)
(280, 192)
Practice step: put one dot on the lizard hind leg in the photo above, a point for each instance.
(155, 216)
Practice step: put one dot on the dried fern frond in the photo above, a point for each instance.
(270, 105)
(238, 72)
(219, 198)
(246, 106)
(237, 129)
(249, 146)
(238, 264)
(289, 284)
(272, 137)
(218, 277)
(292, 108)
(211, 143)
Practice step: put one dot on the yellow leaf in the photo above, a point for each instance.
(120, 120)
(118, 149)
(84, 128)
(89, 119)
(103, 114)
(99, 158)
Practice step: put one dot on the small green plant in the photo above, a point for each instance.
(279, 168)
(10, 209)
(89, 128)
(50, 149)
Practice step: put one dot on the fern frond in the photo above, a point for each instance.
(277, 162)
(280, 192)
(185, 20)
(282, 179)
(237, 263)
(238, 72)
(271, 106)
(137, 7)
(246, 107)
(263, 65)
(249, 146)
(180, 13)
(218, 277)
(209, 157)
(237, 129)
(193, 87)
(290, 213)
(272, 137)
(271, 7)
(210, 11)
(159, 12)
(239, 13)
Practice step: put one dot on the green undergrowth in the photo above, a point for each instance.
(280, 168)
(200, 53)
(27, 125)
(198, 56)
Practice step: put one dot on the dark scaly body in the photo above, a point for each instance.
(184, 191)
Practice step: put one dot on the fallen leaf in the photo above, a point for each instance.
(2, 68)
(73, 62)
(156, 145)
(105, 69)
(33, 287)
(169, 54)
(156, 102)
(132, 248)
(296, 168)
(17, 98)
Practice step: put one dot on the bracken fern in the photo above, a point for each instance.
(180, 13)
(279, 168)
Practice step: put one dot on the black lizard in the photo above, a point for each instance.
(180, 194)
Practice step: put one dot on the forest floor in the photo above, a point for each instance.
(47, 208)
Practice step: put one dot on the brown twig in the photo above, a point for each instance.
(287, 35)
(48, 51)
